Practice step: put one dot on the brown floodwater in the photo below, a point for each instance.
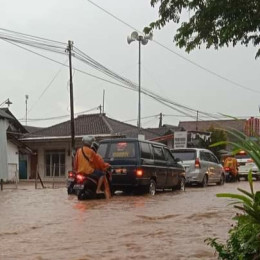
(48, 224)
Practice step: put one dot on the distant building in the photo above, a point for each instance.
(52, 155)
(11, 149)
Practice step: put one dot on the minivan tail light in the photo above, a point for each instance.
(139, 172)
(197, 163)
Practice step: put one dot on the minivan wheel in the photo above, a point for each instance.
(204, 181)
(181, 185)
(152, 187)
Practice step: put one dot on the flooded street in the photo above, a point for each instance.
(48, 224)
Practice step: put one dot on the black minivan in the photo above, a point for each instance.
(141, 165)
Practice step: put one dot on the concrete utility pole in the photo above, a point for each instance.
(197, 120)
(72, 126)
(160, 120)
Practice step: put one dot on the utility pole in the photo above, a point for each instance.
(72, 127)
(26, 99)
(160, 120)
(197, 120)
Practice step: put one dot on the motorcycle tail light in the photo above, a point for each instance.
(80, 177)
(227, 169)
(139, 172)
(71, 174)
(197, 163)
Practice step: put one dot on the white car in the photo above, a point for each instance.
(245, 165)
(201, 166)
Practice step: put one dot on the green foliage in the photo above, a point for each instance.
(244, 238)
(217, 135)
(215, 23)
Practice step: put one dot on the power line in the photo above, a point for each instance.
(47, 87)
(130, 85)
(179, 55)
(58, 117)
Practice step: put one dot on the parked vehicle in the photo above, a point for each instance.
(71, 181)
(246, 164)
(140, 165)
(85, 186)
(201, 166)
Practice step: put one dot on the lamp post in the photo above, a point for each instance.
(135, 36)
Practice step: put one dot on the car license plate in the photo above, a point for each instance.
(120, 171)
(78, 187)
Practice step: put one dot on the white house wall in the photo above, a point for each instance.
(13, 161)
(42, 147)
(3, 150)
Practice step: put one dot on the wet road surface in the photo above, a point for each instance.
(48, 224)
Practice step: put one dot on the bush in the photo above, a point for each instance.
(243, 242)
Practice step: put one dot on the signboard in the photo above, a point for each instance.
(180, 139)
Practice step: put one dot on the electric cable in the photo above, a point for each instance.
(179, 55)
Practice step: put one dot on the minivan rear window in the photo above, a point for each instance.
(122, 150)
(184, 155)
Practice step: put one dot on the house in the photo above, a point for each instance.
(250, 127)
(238, 124)
(52, 155)
(11, 148)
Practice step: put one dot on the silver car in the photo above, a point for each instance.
(201, 166)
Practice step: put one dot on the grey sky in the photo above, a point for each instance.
(104, 38)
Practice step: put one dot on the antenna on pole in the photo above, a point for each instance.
(103, 101)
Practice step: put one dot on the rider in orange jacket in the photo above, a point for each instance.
(88, 162)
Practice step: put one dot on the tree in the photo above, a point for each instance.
(215, 23)
(216, 136)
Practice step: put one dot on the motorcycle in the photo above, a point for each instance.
(230, 177)
(85, 187)
(71, 181)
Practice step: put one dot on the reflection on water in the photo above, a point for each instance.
(49, 224)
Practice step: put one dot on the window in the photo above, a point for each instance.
(102, 150)
(145, 151)
(158, 153)
(213, 158)
(169, 156)
(188, 155)
(204, 156)
(55, 163)
(122, 150)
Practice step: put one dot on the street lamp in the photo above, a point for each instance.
(135, 36)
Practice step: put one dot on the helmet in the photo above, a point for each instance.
(87, 140)
(95, 146)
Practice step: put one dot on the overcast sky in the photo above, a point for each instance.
(103, 37)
